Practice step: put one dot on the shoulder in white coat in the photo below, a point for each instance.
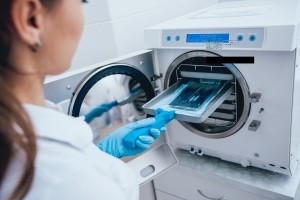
(70, 166)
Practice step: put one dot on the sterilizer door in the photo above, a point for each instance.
(129, 80)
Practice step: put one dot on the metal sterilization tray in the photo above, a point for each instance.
(206, 98)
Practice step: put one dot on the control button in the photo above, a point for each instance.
(254, 125)
(252, 38)
(177, 38)
(240, 38)
(168, 38)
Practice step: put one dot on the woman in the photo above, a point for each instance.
(44, 153)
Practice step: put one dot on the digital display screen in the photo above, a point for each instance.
(203, 38)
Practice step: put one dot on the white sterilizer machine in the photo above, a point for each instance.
(258, 123)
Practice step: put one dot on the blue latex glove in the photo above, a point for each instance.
(113, 143)
(99, 110)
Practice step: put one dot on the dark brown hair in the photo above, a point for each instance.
(16, 131)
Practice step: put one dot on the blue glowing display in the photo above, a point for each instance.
(203, 38)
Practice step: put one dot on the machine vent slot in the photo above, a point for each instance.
(222, 115)
(227, 106)
(206, 75)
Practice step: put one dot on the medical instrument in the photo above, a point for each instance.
(193, 100)
(162, 117)
(193, 96)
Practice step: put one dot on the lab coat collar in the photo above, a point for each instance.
(51, 124)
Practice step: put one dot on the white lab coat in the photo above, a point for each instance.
(69, 165)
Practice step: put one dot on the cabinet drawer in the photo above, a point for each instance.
(185, 183)
(162, 195)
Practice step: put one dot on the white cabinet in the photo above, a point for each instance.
(165, 196)
(187, 184)
(221, 180)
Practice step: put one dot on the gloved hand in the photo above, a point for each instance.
(99, 110)
(113, 143)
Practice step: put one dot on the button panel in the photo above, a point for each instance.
(237, 38)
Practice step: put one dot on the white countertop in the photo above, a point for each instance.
(253, 178)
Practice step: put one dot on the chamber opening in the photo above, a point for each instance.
(230, 116)
(119, 83)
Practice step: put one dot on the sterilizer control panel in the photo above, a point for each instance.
(250, 38)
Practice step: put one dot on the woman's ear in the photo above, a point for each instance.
(27, 21)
